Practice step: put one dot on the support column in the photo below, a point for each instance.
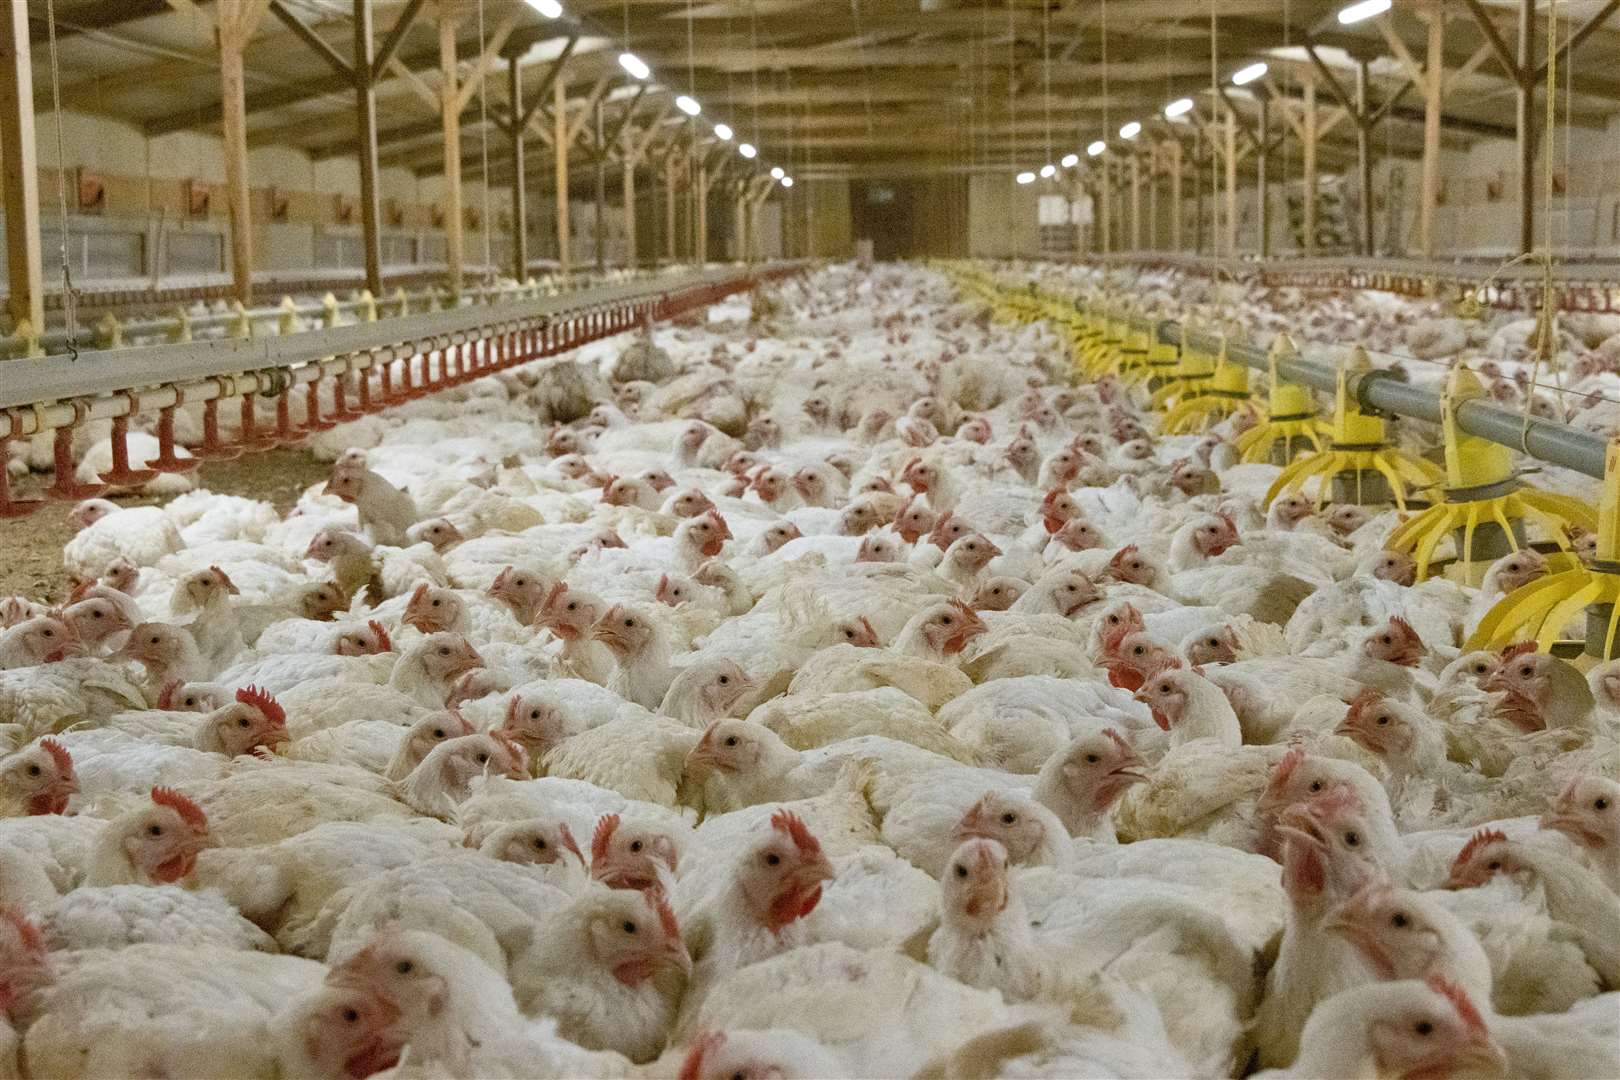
(1229, 227)
(1198, 193)
(1136, 201)
(1524, 108)
(670, 164)
(701, 248)
(1106, 217)
(1434, 73)
(1261, 191)
(234, 27)
(27, 286)
(1175, 195)
(559, 127)
(450, 120)
(630, 209)
(1309, 161)
(1364, 160)
(366, 115)
(520, 200)
(601, 192)
(1153, 197)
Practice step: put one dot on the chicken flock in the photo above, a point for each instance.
(827, 690)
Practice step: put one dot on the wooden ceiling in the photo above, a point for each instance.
(822, 87)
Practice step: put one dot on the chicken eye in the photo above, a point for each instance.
(350, 1016)
(1600, 804)
(438, 733)
(444, 652)
(1387, 640)
(48, 633)
(1497, 865)
(629, 927)
(1480, 669)
(725, 680)
(404, 967)
(1526, 671)
(95, 614)
(944, 620)
(1316, 785)
(1138, 651)
(1352, 839)
(1092, 759)
(773, 859)
(731, 740)
(573, 606)
(154, 830)
(1399, 920)
(1382, 721)
(33, 770)
(1424, 1028)
(1009, 819)
(631, 623)
(539, 843)
(435, 603)
(961, 871)
(849, 633)
(483, 759)
(242, 722)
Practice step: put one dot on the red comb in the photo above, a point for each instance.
(1458, 997)
(384, 642)
(692, 1067)
(1118, 740)
(80, 589)
(1404, 627)
(1362, 702)
(569, 842)
(1285, 767)
(32, 940)
(603, 836)
(556, 592)
(166, 698)
(59, 754)
(666, 915)
(261, 700)
(1475, 842)
(789, 822)
(420, 591)
(1517, 649)
(1123, 553)
(189, 812)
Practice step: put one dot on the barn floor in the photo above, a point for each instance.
(31, 548)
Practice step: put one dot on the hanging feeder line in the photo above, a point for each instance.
(409, 357)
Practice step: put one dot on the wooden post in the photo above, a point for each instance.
(630, 208)
(520, 201)
(1434, 85)
(1175, 195)
(1229, 232)
(366, 114)
(450, 120)
(1153, 197)
(27, 297)
(1262, 192)
(1525, 114)
(1198, 193)
(1106, 217)
(236, 24)
(701, 248)
(1136, 201)
(1309, 162)
(559, 121)
(1364, 160)
(601, 192)
(670, 166)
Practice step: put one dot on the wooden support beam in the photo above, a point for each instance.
(1175, 195)
(624, 119)
(1136, 202)
(316, 43)
(235, 26)
(1525, 116)
(1335, 87)
(1308, 162)
(1433, 87)
(1230, 224)
(559, 149)
(390, 44)
(520, 204)
(552, 73)
(450, 123)
(366, 147)
(577, 125)
(1585, 31)
(26, 301)
(1364, 161)
(671, 167)
(422, 90)
(486, 59)
(1262, 192)
(1467, 68)
(1494, 39)
(601, 193)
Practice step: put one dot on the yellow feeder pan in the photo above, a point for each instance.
(1131, 358)
(1481, 488)
(1290, 415)
(1543, 609)
(1189, 377)
(1357, 445)
(1098, 358)
(1227, 392)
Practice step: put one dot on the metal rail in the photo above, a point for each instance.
(1386, 392)
(371, 366)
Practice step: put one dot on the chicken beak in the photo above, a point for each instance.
(1485, 1056)
(675, 957)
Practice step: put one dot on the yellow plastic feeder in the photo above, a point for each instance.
(1544, 609)
(1481, 490)
(1227, 392)
(1358, 445)
(1189, 377)
(1290, 416)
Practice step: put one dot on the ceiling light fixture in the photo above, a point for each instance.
(787, 181)
(746, 150)
(777, 172)
(549, 8)
(722, 132)
(688, 105)
(1048, 171)
(1096, 148)
(1179, 107)
(1070, 160)
(1365, 10)
(634, 65)
(1130, 130)
(1025, 178)
(1247, 75)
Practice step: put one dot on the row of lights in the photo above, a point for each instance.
(1357, 12)
(638, 69)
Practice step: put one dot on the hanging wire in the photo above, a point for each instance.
(70, 300)
(1046, 77)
